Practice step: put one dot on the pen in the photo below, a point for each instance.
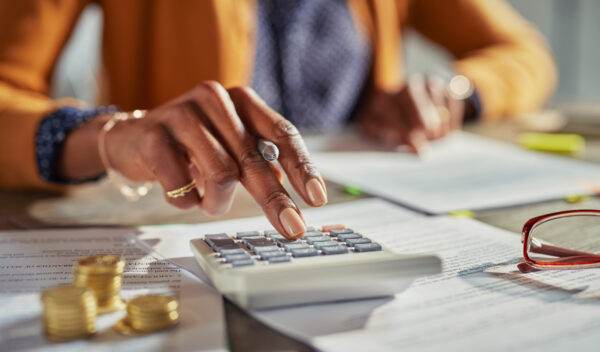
(268, 150)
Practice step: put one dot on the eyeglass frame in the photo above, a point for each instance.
(532, 223)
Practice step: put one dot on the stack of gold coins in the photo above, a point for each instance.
(104, 275)
(149, 313)
(69, 312)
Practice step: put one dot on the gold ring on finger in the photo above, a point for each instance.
(182, 191)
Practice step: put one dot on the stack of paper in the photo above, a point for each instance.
(461, 172)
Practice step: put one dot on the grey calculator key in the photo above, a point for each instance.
(353, 241)
(290, 246)
(367, 247)
(269, 233)
(277, 237)
(313, 233)
(236, 257)
(337, 249)
(243, 262)
(313, 240)
(304, 252)
(220, 249)
(218, 236)
(347, 236)
(281, 259)
(259, 249)
(241, 235)
(231, 251)
(318, 245)
(222, 243)
(271, 254)
(339, 232)
(286, 241)
(256, 241)
(310, 228)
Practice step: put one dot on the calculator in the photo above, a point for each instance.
(263, 269)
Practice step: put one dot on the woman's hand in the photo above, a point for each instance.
(208, 135)
(422, 110)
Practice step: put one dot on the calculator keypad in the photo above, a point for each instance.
(269, 247)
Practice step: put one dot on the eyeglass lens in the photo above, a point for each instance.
(573, 240)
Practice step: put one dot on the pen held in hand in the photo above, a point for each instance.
(268, 150)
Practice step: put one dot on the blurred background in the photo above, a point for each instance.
(570, 26)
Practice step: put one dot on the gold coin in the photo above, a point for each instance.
(69, 312)
(103, 263)
(63, 294)
(152, 303)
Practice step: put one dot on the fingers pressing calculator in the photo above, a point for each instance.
(260, 269)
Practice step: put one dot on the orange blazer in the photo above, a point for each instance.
(154, 50)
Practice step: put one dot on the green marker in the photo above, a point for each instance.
(353, 190)
(576, 198)
(462, 214)
(553, 142)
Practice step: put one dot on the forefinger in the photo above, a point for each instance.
(255, 173)
(293, 156)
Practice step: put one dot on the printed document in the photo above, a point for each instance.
(480, 301)
(33, 260)
(460, 172)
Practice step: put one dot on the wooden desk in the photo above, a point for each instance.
(100, 204)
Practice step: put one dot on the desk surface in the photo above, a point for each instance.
(42, 210)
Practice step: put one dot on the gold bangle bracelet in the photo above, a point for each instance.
(131, 193)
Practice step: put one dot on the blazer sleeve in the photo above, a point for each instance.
(506, 58)
(32, 34)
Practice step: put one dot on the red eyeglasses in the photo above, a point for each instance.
(563, 240)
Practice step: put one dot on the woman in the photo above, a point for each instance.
(203, 68)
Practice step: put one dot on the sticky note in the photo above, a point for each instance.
(553, 142)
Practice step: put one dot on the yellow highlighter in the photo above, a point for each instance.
(553, 142)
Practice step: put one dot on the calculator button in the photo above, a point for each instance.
(267, 255)
(222, 243)
(236, 257)
(280, 259)
(310, 228)
(367, 247)
(231, 251)
(277, 237)
(285, 241)
(337, 249)
(260, 249)
(269, 233)
(304, 252)
(347, 236)
(328, 228)
(313, 240)
(353, 241)
(219, 236)
(335, 232)
(243, 262)
(289, 246)
(242, 235)
(318, 245)
(256, 240)
(313, 233)
(234, 246)
(253, 243)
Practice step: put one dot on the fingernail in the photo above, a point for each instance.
(292, 223)
(316, 193)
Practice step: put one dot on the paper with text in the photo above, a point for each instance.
(461, 172)
(33, 260)
(479, 302)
